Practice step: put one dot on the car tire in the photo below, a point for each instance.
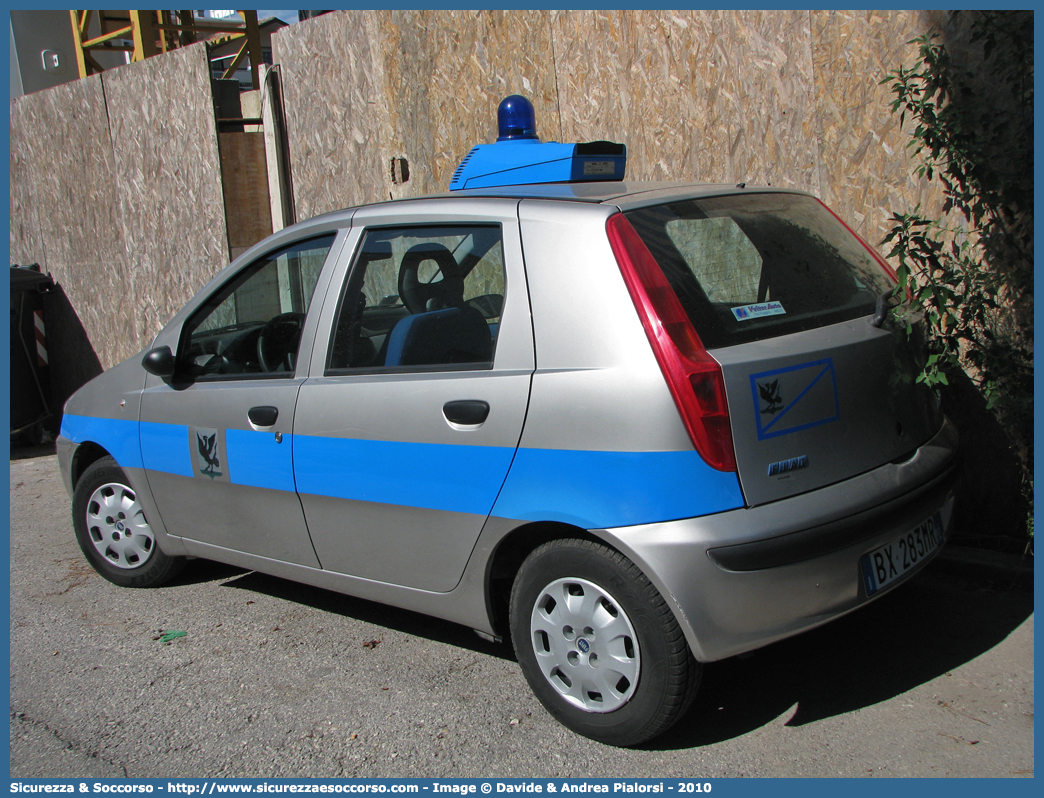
(114, 533)
(598, 645)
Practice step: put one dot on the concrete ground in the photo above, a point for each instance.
(277, 679)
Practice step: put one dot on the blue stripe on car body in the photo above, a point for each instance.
(118, 436)
(601, 490)
(462, 479)
(255, 459)
(165, 447)
(590, 489)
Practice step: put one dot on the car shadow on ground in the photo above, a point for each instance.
(916, 633)
(199, 571)
(412, 623)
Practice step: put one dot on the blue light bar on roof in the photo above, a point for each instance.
(520, 158)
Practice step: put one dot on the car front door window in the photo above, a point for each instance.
(252, 325)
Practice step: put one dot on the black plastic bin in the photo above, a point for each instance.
(30, 372)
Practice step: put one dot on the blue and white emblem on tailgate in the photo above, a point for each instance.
(794, 398)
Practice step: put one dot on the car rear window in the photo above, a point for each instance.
(754, 266)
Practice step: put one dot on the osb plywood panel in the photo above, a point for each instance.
(716, 96)
(25, 240)
(787, 98)
(170, 205)
(336, 110)
(866, 171)
(63, 212)
(445, 73)
(363, 88)
(137, 218)
(245, 177)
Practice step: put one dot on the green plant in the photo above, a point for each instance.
(971, 269)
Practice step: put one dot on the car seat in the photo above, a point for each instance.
(440, 329)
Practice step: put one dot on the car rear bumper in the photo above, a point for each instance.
(742, 579)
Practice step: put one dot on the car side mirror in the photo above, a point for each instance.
(159, 361)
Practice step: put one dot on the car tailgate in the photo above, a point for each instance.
(817, 407)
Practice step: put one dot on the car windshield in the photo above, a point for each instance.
(749, 267)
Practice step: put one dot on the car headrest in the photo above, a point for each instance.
(447, 291)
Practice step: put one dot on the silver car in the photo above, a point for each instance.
(632, 427)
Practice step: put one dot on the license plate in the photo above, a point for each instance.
(884, 565)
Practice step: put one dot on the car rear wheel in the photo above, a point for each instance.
(598, 644)
(114, 533)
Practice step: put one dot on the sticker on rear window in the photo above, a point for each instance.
(746, 312)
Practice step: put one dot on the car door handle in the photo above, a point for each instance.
(263, 415)
(468, 411)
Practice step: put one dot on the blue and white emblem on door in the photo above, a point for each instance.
(206, 443)
(794, 398)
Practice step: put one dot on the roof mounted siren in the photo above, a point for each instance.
(519, 158)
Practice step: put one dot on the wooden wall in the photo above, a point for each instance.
(244, 175)
(116, 190)
(116, 180)
(788, 98)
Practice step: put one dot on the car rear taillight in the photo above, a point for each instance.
(693, 376)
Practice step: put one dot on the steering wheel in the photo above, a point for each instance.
(277, 342)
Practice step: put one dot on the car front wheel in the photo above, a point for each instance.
(598, 644)
(114, 533)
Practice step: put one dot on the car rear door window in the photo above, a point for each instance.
(420, 299)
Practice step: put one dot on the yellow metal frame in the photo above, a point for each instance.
(155, 32)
